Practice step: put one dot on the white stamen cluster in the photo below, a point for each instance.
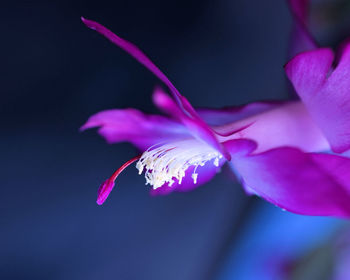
(165, 163)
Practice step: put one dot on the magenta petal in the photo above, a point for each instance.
(136, 53)
(166, 104)
(327, 99)
(299, 8)
(133, 126)
(205, 174)
(304, 183)
(301, 39)
(227, 115)
(308, 71)
(192, 121)
(336, 104)
(195, 125)
(289, 124)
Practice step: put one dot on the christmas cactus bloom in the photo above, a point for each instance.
(279, 149)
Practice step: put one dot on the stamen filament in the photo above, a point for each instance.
(165, 163)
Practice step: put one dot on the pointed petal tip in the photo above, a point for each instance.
(83, 128)
(89, 23)
(84, 20)
(90, 123)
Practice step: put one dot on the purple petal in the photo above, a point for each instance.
(301, 39)
(304, 183)
(166, 104)
(325, 94)
(198, 128)
(135, 52)
(190, 117)
(205, 174)
(222, 116)
(289, 124)
(133, 126)
(308, 71)
(299, 8)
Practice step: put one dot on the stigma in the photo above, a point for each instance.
(163, 164)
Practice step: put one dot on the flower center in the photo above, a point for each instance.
(167, 162)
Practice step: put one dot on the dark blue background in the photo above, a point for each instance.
(55, 73)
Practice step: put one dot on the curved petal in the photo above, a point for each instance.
(299, 8)
(198, 128)
(308, 71)
(304, 183)
(135, 52)
(325, 94)
(190, 117)
(135, 127)
(205, 174)
(287, 125)
(222, 116)
(300, 39)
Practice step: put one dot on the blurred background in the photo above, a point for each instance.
(55, 73)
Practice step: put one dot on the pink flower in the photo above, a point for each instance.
(275, 147)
